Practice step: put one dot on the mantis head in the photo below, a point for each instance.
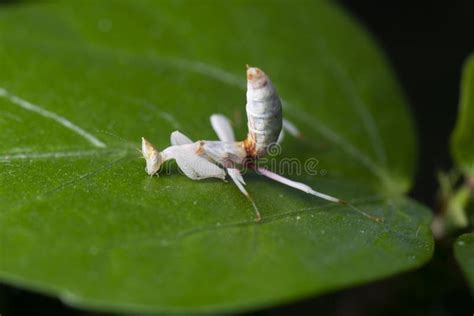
(152, 156)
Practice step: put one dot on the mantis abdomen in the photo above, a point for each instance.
(264, 113)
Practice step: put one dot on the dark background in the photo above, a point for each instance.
(427, 43)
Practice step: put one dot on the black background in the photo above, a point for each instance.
(427, 43)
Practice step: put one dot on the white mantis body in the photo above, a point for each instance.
(208, 159)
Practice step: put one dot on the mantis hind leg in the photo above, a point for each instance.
(305, 188)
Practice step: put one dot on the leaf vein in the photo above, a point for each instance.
(86, 175)
(59, 154)
(51, 115)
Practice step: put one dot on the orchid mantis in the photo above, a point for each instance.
(213, 159)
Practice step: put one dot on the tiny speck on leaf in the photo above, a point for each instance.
(93, 250)
(104, 25)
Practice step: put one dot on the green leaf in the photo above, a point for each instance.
(464, 253)
(462, 148)
(81, 82)
(462, 139)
